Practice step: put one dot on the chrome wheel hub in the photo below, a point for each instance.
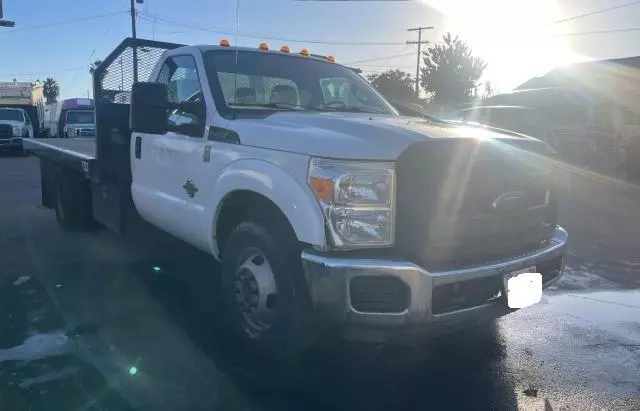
(255, 294)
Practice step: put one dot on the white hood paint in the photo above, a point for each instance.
(348, 135)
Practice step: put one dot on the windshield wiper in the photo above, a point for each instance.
(286, 106)
(351, 109)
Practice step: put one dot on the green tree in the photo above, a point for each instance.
(51, 90)
(450, 72)
(394, 85)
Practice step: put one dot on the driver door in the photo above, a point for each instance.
(167, 172)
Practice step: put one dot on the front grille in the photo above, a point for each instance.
(86, 132)
(462, 202)
(6, 132)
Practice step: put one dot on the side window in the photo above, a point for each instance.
(180, 74)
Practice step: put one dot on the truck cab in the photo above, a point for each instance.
(322, 203)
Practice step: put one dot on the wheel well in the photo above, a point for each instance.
(243, 205)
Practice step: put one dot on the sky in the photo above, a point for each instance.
(517, 38)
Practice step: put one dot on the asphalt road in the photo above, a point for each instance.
(95, 321)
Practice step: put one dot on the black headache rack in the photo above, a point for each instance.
(112, 83)
(113, 80)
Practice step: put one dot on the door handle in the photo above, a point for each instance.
(138, 149)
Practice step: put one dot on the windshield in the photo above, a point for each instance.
(260, 83)
(80, 117)
(11, 115)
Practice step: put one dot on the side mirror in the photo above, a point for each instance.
(149, 108)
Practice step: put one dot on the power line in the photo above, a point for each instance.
(60, 23)
(585, 33)
(377, 58)
(384, 66)
(197, 26)
(40, 73)
(620, 6)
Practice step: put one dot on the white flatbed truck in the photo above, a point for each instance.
(323, 204)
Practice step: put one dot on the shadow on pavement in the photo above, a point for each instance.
(463, 371)
(39, 369)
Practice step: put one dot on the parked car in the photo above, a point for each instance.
(15, 125)
(564, 130)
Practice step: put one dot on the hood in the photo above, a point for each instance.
(13, 122)
(351, 135)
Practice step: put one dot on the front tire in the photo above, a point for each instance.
(264, 307)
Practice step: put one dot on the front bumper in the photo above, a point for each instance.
(430, 297)
(14, 142)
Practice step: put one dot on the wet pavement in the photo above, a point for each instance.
(93, 321)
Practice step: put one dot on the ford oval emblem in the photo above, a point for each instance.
(511, 201)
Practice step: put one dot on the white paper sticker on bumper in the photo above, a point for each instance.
(524, 287)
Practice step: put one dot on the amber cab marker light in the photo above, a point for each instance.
(304, 52)
(284, 49)
(322, 187)
(224, 43)
(331, 58)
(264, 46)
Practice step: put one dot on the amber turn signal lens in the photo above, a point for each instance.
(322, 187)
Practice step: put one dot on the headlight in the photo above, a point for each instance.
(18, 131)
(358, 201)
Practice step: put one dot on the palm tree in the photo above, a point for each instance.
(51, 90)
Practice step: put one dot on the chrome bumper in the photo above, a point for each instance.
(329, 280)
(11, 142)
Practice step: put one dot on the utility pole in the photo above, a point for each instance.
(419, 43)
(5, 23)
(133, 34)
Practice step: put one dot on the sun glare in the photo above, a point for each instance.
(514, 37)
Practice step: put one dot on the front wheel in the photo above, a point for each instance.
(265, 308)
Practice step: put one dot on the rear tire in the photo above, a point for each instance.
(266, 311)
(72, 202)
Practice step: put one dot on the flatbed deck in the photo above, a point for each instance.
(84, 148)
(78, 154)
